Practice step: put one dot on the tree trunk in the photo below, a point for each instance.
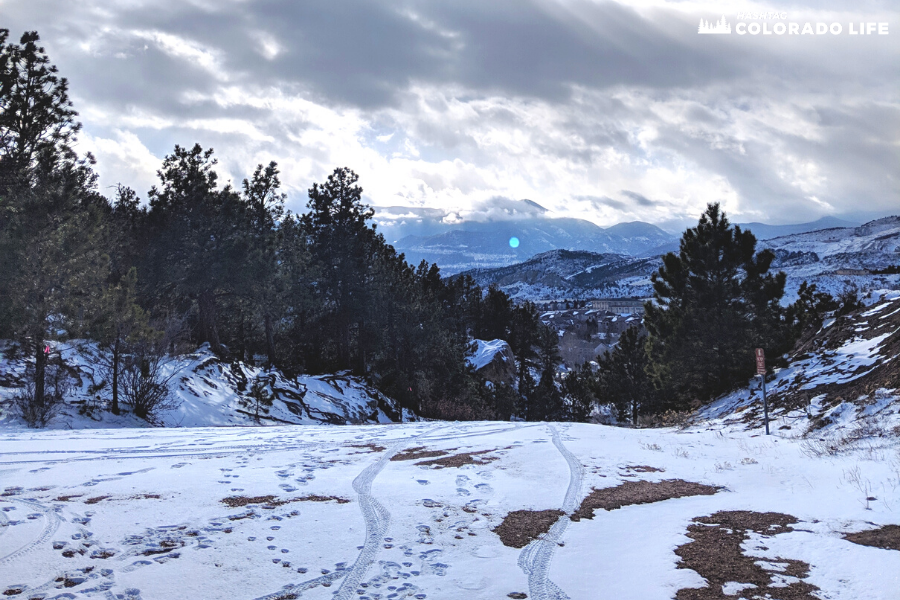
(115, 377)
(208, 331)
(270, 338)
(40, 369)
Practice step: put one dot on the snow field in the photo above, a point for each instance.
(411, 531)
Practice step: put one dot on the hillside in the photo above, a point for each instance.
(205, 391)
(841, 381)
(831, 258)
(486, 245)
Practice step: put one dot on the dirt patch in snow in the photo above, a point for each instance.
(271, 502)
(68, 498)
(643, 469)
(521, 526)
(715, 553)
(368, 447)
(238, 501)
(458, 460)
(419, 452)
(96, 499)
(887, 537)
(639, 492)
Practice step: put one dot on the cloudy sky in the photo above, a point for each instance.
(602, 110)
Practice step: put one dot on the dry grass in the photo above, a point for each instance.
(887, 537)
(639, 492)
(520, 527)
(716, 554)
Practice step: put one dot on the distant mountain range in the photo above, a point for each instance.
(466, 245)
(832, 258)
(489, 244)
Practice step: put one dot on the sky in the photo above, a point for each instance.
(459, 109)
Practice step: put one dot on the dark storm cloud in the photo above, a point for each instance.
(363, 53)
(571, 99)
(638, 198)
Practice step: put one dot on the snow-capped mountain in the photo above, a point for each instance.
(488, 244)
(833, 259)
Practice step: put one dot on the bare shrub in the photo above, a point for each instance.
(37, 412)
(145, 387)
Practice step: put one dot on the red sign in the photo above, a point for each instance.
(760, 362)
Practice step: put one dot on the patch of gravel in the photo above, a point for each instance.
(522, 526)
(887, 537)
(716, 555)
(458, 460)
(639, 492)
(419, 452)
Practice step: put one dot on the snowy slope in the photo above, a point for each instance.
(323, 512)
(842, 383)
(833, 259)
(207, 392)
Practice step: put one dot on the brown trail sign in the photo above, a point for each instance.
(761, 371)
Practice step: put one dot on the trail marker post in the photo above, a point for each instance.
(761, 371)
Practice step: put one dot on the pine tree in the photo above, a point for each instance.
(714, 302)
(623, 379)
(50, 213)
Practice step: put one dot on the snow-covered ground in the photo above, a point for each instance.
(203, 391)
(139, 513)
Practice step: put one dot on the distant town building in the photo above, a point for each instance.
(622, 306)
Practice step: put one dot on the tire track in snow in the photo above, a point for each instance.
(536, 556)
(51, 523)
(377, 519)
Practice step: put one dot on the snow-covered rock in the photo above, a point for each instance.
(494, 360)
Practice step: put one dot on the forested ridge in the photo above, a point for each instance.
(197, 262)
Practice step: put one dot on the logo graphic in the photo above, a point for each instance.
(721, 26)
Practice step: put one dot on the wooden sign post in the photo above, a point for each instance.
(761, 371)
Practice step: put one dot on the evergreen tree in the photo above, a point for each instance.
(623, 379)
(195, 250)
(50, 213)
(714, 302)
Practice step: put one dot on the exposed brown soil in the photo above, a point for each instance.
(68, 498)
(270, 501)
(643, 469)
(95, 499)
(458, 460)
(315, 498)
(237, 501)
(419, 452)
(145, 497)
(639, 492)
(521, 526)
(887, 537)
(164, 546)
(369, 447)
(715, 553)
(13, 591)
